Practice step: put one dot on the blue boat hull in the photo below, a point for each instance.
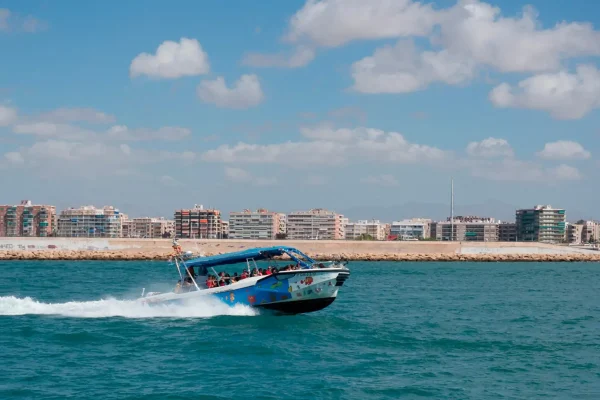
(289, 292)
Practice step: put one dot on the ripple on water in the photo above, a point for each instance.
(397, 330)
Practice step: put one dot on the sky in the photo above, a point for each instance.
(366, 107)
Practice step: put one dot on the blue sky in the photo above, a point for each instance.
(366, 107)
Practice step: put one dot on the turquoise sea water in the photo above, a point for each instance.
(397, 330)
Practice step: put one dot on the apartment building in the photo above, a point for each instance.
(259, 224)
(224, 229)
(283, 224)
(541, 224)
(473, 231)
(147, 227)
(27, 219)
(583, 232)
(89, 221)
(507, 232)
(198, 223)
(316, 223)
(365, 229)
(411, 229)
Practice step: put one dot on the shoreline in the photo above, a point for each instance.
(160, 249)
(108, 255)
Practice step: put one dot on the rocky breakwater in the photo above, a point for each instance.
(162, 255)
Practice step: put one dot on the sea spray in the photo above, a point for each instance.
(110, 307)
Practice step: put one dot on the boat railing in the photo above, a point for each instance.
(248, 264)
(187, 271)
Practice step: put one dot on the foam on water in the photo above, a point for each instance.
(110, 307)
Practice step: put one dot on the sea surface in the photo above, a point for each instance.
(69, 330)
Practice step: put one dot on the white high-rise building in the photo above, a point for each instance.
(411, 229)
(259, 224)
(365, 229)
(315, 224)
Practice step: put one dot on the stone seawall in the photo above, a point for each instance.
(159, 249)
(162, 256)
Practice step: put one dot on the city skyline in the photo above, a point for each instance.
(275, 106)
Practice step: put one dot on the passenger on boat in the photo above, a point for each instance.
(244, 274)
(191, 272)
(177, 247)
(210, 282)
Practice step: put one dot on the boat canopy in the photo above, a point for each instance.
(256, 254)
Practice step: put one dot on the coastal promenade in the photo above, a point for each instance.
(160, 249)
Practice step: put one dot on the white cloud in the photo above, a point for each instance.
(14, 157)
(381, 180)
(301, 56)
(563, 95)
(245, 93)
(236, 174)
(332, 23)
(84, 157)
(474, 35)
(489, 148)
(122, 132)
(90, 115)
(240, 175)
(329, 146)
(401, 69)
(512, 170)
(565, 173)
(8, 115)
(172, 60)
(52, 130)
(125, 149)
(477, 30)
(168, 180)
(294, 154)
(11, 22)
(564, 150)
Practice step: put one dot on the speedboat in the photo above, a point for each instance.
(303, 286)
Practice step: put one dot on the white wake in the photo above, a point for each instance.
(200, 308)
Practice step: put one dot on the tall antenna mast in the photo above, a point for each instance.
(451, 208)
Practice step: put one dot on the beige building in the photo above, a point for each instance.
(363, 228)
(89, 221)
(259, 224)
(315, 224)
(147, 227)
(225, 229)
(583, 232)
